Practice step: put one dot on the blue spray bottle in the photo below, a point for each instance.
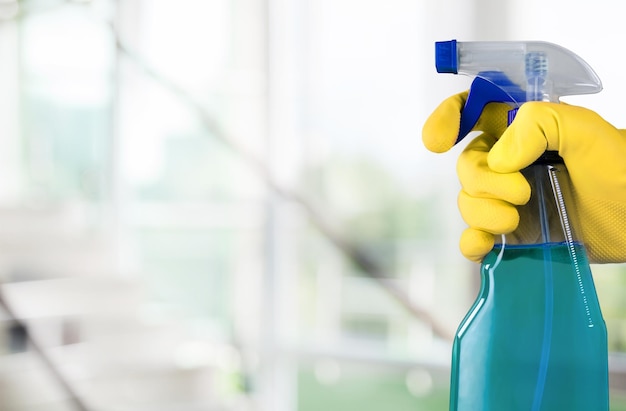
(535, 339)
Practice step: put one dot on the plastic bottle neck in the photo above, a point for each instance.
(544, 218)
(549, 157)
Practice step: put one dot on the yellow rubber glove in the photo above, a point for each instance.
(593, 151)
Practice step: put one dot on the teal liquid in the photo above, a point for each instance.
(535, 339)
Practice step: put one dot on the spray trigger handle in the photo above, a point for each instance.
(488, 87)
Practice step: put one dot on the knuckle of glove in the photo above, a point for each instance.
(487, 214)
(478, 180)
(471, 166)
(475, 244)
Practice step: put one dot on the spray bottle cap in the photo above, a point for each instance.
(513, 72)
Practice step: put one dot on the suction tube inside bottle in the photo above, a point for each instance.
(536, 71)
(537, 89)
(546, 344)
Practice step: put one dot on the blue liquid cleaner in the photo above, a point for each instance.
(535, 339)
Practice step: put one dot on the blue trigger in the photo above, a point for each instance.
(488, 87)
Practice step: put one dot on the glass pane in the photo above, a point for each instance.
(66, 82)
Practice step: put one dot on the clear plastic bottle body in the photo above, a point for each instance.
(535, 338)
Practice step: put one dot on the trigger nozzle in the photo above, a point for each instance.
(446, 60)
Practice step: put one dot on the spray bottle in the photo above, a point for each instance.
(535, 338)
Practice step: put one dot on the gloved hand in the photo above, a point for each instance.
(489, 171)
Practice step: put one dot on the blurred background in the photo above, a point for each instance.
(226, 205)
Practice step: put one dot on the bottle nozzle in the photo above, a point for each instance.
(446, 60)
